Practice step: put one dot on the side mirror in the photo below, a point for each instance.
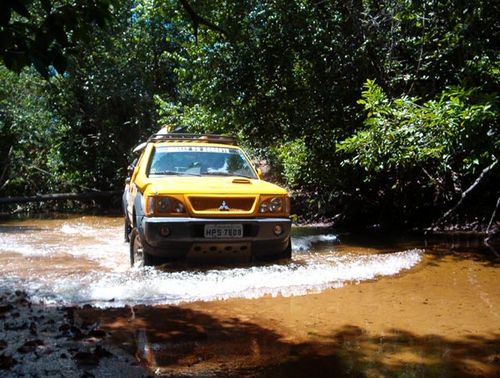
(131, 167)
(259, 173)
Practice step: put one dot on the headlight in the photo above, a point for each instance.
(164, 205)
(272, 205)
(276, 205)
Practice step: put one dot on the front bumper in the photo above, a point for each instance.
(186, 238)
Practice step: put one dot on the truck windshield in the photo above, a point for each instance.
(199, 161)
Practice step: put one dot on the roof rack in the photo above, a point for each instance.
(203, 138)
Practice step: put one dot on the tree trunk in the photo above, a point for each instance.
(59, 197)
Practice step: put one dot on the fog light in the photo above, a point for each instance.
(278, 230)
(164, 231)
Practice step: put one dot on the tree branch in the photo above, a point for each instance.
(3, 176)
(466, 193)
(199, 20)
(493, 215)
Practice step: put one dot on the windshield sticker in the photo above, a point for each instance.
(220, 150)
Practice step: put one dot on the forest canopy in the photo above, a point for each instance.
(377, 110)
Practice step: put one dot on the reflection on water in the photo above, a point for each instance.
(84, 260)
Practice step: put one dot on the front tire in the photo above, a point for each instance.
(287, 253)
(127, 230)
(138, 255)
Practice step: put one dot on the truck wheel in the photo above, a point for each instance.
(127, 230)
(138, 256)
(287, 253)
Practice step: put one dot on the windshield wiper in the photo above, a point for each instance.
(225, 174)
(165, 173)
(217, 174)
(174, 173)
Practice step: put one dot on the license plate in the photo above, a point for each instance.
(223, 231)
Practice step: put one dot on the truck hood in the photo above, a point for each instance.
(212, 185)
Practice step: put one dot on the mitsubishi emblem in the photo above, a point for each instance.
(223, 206)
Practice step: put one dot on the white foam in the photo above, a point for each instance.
(109, 250)
(78, 229)
(304, 243)
(153, 286)
(26, 246)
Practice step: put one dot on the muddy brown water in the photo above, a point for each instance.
(345, 305)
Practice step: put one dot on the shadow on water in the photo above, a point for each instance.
(459, 246)
(463, 247)
(352, 352)
(184, 342)
(16, 229)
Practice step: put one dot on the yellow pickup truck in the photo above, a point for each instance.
(197, 196)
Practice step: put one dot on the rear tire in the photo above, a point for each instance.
(138, 255)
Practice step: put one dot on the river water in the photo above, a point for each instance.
(85, 260)
(347, 304)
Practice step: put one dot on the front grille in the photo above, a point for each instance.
(221, 204)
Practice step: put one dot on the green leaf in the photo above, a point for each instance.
(19, 7)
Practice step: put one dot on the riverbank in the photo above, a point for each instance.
(40, 340)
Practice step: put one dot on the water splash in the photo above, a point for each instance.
(154, 286)
(110, 282)
(304, 243)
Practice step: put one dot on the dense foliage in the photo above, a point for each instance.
(43, 32)
(413, 151)
(377, 109)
